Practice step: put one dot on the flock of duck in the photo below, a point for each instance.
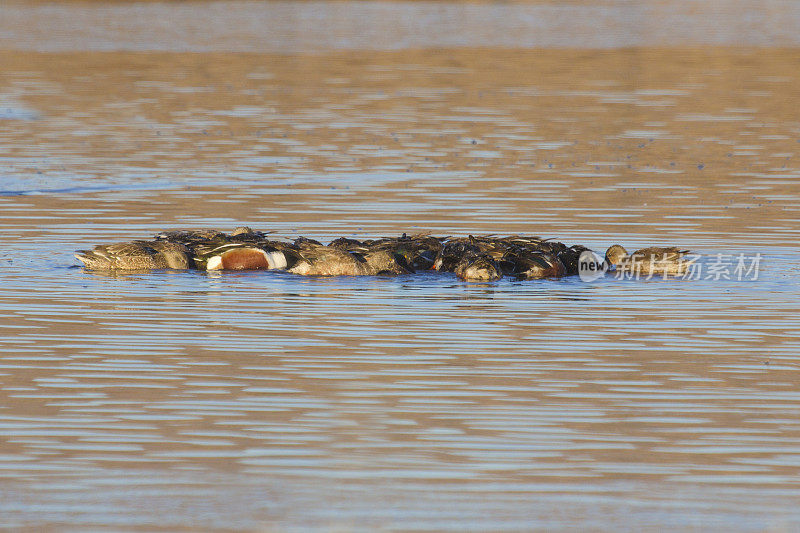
(473, 258)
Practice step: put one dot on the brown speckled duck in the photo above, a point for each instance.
(649, 261)
(345, 258)
(136, 255)
(415, 252)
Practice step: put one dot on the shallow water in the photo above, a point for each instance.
(266, 401)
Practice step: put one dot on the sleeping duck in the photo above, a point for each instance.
(649, 261)
(136, 255)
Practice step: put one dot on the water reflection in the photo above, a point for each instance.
(321, 166)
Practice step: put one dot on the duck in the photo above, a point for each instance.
(524, 257)
(168, 249)
(454, 250)
(654, 260)
(471, 258)
(413, 252)
(387, 262)
(242, 249)
(136, 255)
(316, 259)
(568, 256)
(243, 256)
(529, 257)
(527, 265)
(478, 267)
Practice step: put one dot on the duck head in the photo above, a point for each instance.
(616, 254)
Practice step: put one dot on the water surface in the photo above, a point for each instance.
(266, 401)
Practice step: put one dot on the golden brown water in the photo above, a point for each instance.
(265, 401)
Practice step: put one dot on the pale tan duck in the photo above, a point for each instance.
(136, 255)
(654, 260)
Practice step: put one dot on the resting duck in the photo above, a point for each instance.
(534, 265)
(316, 259)
(454, 250)
(415, 252)
(478, 267)
(524, 257)
(136, 255)
(203, 249)
(386, 262)
(243, 249)
(651, 261)
(474, 258)
(537, 258)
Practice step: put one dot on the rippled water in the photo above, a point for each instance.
(267, 401)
